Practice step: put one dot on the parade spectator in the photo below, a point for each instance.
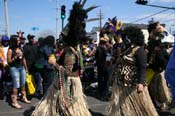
(88, 53)
(92, 44)
(30, 53)
(23, 41)
(5, 45)
(18, 69)
(3, 64)
(38, 69)
(45, 49)
(103, 58)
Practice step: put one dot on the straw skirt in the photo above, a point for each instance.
(126, 101)
(159, 91)
(56, 103)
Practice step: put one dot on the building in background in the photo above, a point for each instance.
(167, 36)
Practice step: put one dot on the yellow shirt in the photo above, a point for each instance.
(2, 56)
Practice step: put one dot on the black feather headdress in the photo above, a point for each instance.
(74, 32)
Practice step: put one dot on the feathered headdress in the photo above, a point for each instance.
(74, 32)
(113, 29)
(113, 24)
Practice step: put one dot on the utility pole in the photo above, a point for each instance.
(6, 18)
(56, 19)
(151, 21)
(100, 15)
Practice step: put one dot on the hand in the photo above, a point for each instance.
(27, 72)
(140, 88)
(19, 53)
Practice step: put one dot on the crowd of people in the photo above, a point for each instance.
(122, 59)
(19, 58)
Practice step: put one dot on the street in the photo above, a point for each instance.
(96, 107)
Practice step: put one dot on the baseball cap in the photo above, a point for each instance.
(5, 38)
(29, 36)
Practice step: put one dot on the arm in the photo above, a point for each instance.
(25, 64)
(141, 60)
(9, 56)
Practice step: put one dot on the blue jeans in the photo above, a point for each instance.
(48, 77)
(39, 80)
(18, 76)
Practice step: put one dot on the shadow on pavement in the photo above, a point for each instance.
(95, 113)
(165, 113)
(29, 111)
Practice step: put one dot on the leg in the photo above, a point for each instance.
(47, 79)
(1, 86)
(100, 81)
(15, 80)
(38, 80)
(22, 85)
(24, 98)
(15, 103)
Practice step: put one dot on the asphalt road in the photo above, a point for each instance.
(96, 107)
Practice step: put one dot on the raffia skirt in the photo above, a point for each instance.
(55, 104)
(159, 91)
(126, 101)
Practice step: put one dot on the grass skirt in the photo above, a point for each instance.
(126, 101)
(55, 104)
(159, 91)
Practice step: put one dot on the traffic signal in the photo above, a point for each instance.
(63, 11)
(142, 2)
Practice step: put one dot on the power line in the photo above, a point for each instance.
(169, 20)
(149, 16)
(170, 17)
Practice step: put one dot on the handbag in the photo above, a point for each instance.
(31, 86)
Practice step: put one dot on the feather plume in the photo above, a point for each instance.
(74, 32)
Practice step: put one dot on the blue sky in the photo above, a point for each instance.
(25, 14)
